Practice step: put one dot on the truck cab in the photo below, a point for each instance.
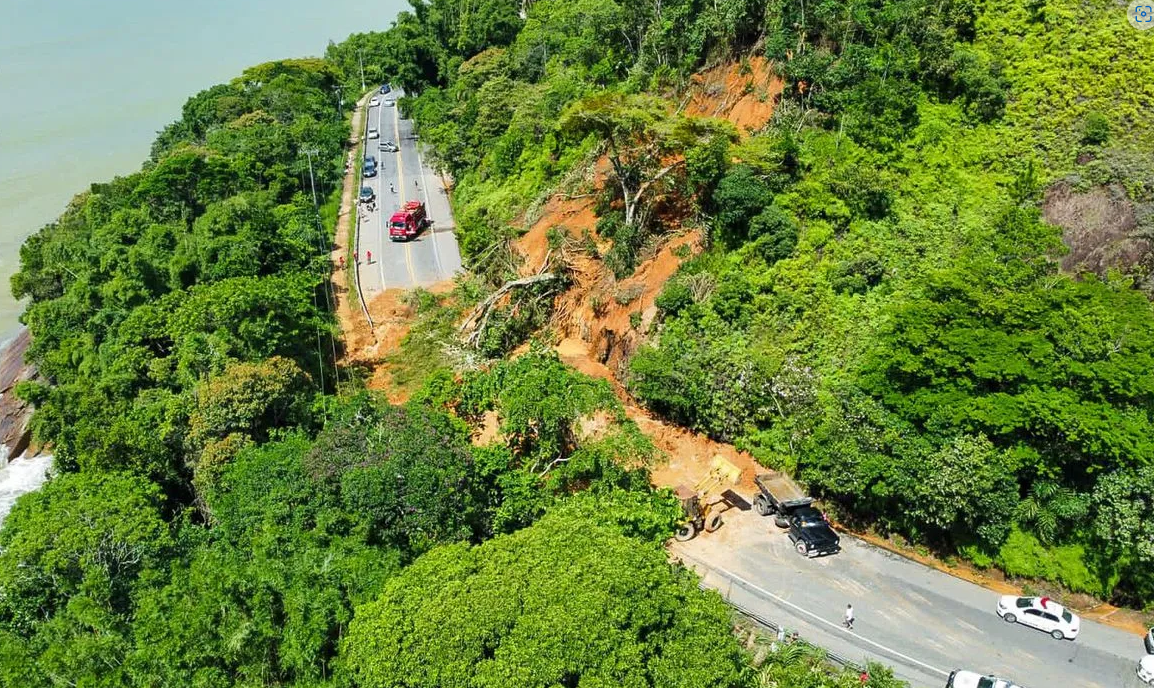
(810, 533)
(809, 530)
(408, 222)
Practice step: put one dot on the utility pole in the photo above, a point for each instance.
(340, 101)
(310, 152)
(361, 61)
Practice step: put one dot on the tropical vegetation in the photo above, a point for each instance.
(879, 305)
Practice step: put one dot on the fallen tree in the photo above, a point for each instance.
(473, 328)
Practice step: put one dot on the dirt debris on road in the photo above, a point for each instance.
(688, 453)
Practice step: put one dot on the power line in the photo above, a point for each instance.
(326, 250)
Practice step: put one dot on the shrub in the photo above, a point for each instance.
(1025, 556)
(740, 196)
(1095, 129)
(628, 294)
(774, 232)
(621, 258)
(675, 297)
(859, 274)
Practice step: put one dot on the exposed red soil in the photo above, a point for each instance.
(688, 454)
(745, 93)
(600, 320)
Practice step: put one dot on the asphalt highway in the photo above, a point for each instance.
(432, 256)
(922, 622)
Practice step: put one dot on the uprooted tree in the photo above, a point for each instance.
(643, 142)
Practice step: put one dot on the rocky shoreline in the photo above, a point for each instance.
(14, 413)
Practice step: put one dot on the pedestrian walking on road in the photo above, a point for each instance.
(355, 259)
(391, 189)
(369, 254)
(849, 616)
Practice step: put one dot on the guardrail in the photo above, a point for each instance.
(355, 265)
(357, 272)
(758, 619)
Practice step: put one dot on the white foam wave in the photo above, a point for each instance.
(20, 476)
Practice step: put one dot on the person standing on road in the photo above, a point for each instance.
(391, 189)
(849, 616)
(369, 255)
(355, 259)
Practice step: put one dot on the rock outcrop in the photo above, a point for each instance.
(14, 413)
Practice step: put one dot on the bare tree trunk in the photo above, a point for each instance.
(475, 323)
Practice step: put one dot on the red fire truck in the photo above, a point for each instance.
(408, 222)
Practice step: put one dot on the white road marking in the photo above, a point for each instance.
(381, 209)
(401, 189)
(834, 626)
(432, 232)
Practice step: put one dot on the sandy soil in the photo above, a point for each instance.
(743, 94)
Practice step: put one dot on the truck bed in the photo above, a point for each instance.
(782, 489)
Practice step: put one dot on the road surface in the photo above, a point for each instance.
(921, 622)
(431, 257)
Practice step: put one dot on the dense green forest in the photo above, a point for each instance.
(880, 308)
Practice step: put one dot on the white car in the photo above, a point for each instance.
(1041, 613)
(374, 101)
(1146, 670)
(969, 679)
(390, 102)
(373, 133)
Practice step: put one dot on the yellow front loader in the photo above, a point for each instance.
(704, 503)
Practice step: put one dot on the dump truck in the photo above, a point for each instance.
(408, 222)
(704, 503)
(809, 529)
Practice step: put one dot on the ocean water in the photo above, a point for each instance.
(85, 86)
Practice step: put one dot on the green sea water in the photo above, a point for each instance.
(85, 86)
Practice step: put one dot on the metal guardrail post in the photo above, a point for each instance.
(356, 267)
(357, 273)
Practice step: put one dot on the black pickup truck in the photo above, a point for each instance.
(809, 530)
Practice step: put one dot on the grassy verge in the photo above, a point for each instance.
(354, 215)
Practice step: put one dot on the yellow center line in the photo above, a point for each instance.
(401, 189)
